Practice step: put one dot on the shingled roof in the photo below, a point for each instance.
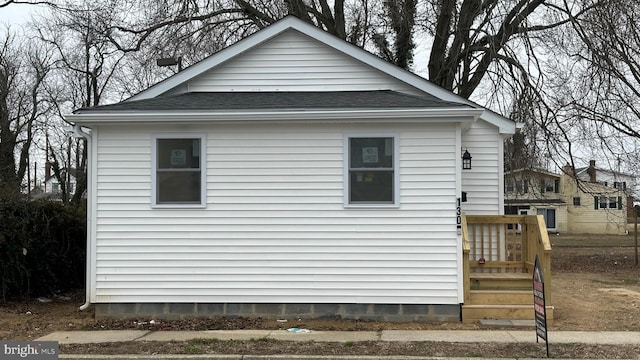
(213, 101)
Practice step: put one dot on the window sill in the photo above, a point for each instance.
(372, 206)
(178, 206)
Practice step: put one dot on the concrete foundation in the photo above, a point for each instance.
(376, 312)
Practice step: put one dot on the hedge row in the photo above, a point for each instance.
(42, 248)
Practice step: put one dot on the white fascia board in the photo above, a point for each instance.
(365, 116)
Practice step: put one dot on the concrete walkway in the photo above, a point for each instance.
(455, 336)
(462, 336)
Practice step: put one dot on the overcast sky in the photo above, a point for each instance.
(16, 13)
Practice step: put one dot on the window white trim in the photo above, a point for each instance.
(396, 169)
(608, 202)
(203, 169)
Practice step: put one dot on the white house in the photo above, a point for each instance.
(615, 179)
(291, 174)
(52, 186)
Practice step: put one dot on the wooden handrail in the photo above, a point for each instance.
(542, 246)
(505, 243)
(496, 219)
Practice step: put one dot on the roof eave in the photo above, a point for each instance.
(369, 116)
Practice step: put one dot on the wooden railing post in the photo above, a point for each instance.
(545, 250)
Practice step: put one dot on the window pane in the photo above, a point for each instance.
(371, 153)
(178, 187)
(178, 153)
(371, 186)
(548, 185)
(510, 186)
(549, 217)
(603, 202)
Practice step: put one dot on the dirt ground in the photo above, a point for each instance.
(593, 288)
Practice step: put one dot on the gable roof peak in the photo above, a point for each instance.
(505, 126)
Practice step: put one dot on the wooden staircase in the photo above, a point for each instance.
(498, 273)
(501, 296)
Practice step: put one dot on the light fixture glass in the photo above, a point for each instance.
(466, 160)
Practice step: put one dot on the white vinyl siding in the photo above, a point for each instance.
(484, 182)
(587, 220)
(275, 229)
(294, 62)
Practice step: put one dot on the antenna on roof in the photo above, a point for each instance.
(170, 62)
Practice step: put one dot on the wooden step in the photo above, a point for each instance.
(500, 281)
(501, 297)
(473, 313)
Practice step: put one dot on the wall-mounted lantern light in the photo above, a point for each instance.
(466, 160)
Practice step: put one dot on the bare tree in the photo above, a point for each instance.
(491, 51)
(399, 18)
(86, 64)
(6, 3)
(471, 42)
(387, 26)
(594, 82)
(22, 73)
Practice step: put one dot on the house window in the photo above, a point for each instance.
(522, 187)
(510, 186)
(55, 188)
(178, 170)
(371, 177)
(576, 201)
(603, 202)
(620, 185)
(516, 186)
(607, 202)
(550, 185)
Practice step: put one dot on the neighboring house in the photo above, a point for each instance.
(291, 174)
(615, 179)
(573, 201)
(536, 192)
(51, 188)
(598, 203)
(51, 185)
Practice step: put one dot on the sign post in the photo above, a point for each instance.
(539, 304)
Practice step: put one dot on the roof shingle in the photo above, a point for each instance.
(230, 101)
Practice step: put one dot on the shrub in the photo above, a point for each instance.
(42, 248)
